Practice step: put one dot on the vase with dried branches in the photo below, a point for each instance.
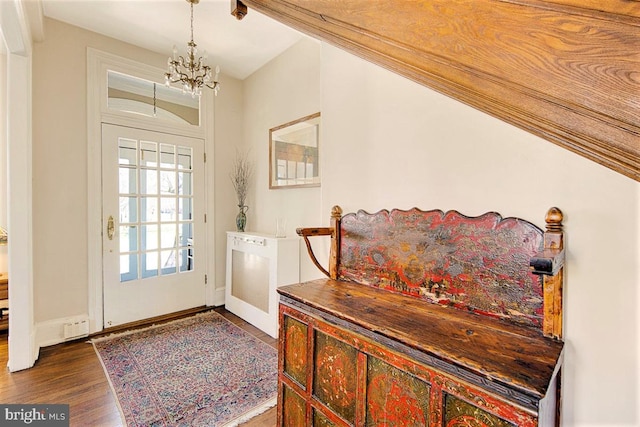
(241, 173)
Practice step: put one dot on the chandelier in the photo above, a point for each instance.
(192, 74)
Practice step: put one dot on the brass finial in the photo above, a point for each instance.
(554, 219)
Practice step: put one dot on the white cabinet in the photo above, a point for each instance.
(256, 265)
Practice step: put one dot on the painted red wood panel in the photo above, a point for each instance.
(335, 375)
(459, 413)
(320, 420)
(478, 264)
(295, 350)
(394, 397)
(294, 409)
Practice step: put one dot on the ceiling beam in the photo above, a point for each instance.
(565, 70)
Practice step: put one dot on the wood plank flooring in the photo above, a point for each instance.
(71, 373)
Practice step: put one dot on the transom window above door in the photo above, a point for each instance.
(138, 96)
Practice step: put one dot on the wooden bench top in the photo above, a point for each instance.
(514, 356)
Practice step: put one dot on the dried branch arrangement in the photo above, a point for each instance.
(241, 173)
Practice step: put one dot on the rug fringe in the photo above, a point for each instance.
(253, 413)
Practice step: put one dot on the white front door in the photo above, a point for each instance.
(153, 224)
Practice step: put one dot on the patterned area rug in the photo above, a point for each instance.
(199, 371)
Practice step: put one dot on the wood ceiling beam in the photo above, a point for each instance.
(565, 70)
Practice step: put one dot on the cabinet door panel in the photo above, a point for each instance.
(295, 350)
(395, 397)
(458, 413)
(335, 375)
(293, 408)
(320, 420)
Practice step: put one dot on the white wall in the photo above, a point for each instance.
(390, 143)
(60, 165)
(229, 128)
(284, 90)
(4, 261)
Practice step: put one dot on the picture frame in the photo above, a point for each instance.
(294, 150)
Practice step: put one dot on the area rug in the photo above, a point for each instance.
(199, 371)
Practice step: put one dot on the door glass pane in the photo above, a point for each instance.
(186, 231)
(128, 267)
(128, 238)
(149, 209)
(186, 259)
(167, 182)
(150, 264)
(167, 209)
(184, 183)
(149, 238)
(127, 151)
(185, 209)
(128, 209)
(149, 181)
(148, 153)
(156, 226)
(168, 233)
(127, 180)
(167, 156)
(168, 262)
(184, 158)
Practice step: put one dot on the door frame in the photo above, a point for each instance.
(98, 63)
(16, 40)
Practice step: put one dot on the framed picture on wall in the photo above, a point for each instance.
(294, 150)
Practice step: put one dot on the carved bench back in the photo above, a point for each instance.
(479, 264)
(503, 268)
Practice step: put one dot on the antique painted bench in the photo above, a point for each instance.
(426, 318)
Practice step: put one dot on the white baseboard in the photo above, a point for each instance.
(51, 332)
(218, 297)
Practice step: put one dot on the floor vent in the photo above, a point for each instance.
(76, 329)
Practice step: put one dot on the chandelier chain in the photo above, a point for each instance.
(191, 3)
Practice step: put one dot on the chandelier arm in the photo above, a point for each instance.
(183, 77)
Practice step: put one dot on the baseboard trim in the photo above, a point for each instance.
(219, 297)
(51, 332)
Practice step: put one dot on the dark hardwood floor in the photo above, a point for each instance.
(71, 373)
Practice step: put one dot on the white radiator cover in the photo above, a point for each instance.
(257, 264)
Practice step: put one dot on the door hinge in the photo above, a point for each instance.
(205, 157)
(206, 279)
(205, 218)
